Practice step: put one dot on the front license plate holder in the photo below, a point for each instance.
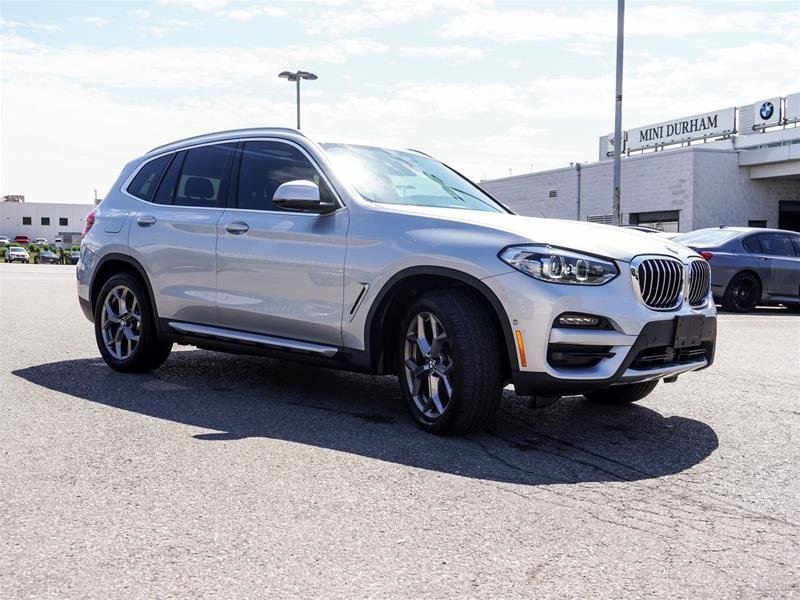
(688, 331)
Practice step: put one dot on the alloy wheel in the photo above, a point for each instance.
(121, 322)
(744, 293)
(428, 365)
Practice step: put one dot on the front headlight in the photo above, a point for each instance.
(556, 265)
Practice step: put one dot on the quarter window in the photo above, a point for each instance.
(752, 244)
(265, 166)
(144, 184)
(201, 180)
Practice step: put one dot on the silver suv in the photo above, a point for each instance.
(385, 261)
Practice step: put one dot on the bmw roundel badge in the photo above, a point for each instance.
(766, 110)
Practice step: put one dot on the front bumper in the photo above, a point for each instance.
(635, 346)
(650, 357)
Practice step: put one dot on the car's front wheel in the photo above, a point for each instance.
(622, 394)
(449, 362)
(125, 327)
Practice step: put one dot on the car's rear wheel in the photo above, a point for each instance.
(125, 327)
(449, 362)
(622, 394)
(742, 294)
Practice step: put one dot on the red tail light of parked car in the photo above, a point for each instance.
(87, 225)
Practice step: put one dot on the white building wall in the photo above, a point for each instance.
(725, 194)
(12, 213)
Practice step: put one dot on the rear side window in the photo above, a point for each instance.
(265, 166)
(201, 181)
(144, 184)
(776, 244)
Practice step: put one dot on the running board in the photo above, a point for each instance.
(267, 341)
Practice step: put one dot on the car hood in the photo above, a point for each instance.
(602, 240)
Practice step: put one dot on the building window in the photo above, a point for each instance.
(553, 193)
(45, 220)
(63, 221)
(756, 223)
(26, 220)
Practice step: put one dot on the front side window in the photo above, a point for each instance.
(201, 179)
(405, 177)
(144, 184)
(265, 166)
(776, 244)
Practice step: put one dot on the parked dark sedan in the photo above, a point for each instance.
(749, 265)
(73, 257)
(45, 257)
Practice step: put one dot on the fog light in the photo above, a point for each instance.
(568, 320)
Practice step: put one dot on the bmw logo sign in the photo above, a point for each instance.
(766, 110)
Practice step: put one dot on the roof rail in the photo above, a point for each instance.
(221, 133)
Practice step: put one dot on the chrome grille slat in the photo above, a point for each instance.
(660, 281)
(699, 281)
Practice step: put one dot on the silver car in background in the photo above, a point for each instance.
(386, 261)
(750, 266)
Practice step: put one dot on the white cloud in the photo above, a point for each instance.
(248, 13)
(96, 21)
(455, 53)
(139, 13)
(669, 20)
(201, 5)
(28, 24)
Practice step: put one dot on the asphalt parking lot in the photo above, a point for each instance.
(230, 476)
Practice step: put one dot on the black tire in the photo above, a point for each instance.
(622, 394)
(473, 353)
(149, 352)
(742, 294)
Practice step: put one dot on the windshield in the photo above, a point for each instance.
(402, 177)
(706, 237)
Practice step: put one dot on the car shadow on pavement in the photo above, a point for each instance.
(237, 397)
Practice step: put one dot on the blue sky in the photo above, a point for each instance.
(489, 87)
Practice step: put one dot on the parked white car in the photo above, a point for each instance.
(40, 241)
(387, 261)
(17, 254)
(4, 240)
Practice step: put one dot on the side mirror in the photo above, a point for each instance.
(301, 195)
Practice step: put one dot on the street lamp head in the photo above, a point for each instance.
(298, 75)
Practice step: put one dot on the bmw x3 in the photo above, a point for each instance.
(385, 261)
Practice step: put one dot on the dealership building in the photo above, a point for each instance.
(49, 220)
(734, 166)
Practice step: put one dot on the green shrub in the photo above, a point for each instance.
(75, 249)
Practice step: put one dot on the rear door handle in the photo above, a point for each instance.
(237, 227)
(146, 220)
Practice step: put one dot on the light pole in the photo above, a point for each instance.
(296, 77)
(617, 216)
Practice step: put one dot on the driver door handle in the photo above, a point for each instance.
(146, 220)
(237, 227)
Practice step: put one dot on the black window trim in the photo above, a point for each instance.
(179, 156)
(238, 143)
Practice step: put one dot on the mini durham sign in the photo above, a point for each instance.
(697, 127)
